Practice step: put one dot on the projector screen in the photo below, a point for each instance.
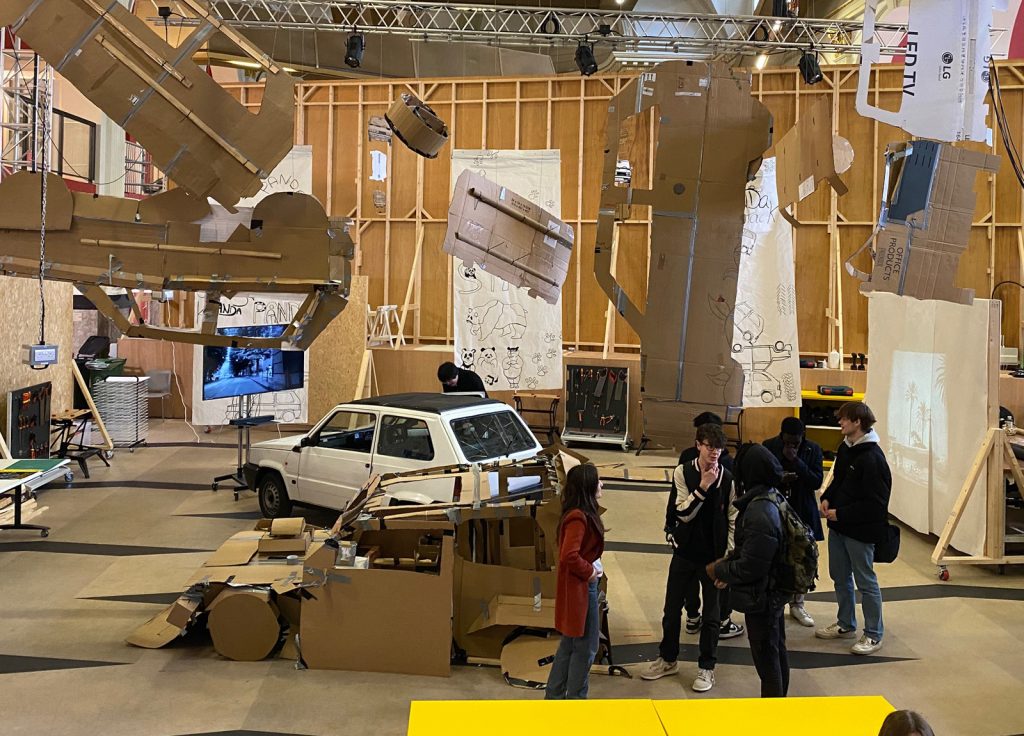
(927, 386)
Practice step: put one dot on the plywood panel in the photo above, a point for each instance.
(336, 355)
(143, 355)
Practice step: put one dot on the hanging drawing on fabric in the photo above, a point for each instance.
(500, 329)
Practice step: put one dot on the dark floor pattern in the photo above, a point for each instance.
(156, 598)
(85, 548)
(15, 664)
(163, 485)
(935, 590)
(646, 487)
(243, 733)
(254, 515)
(740, 655)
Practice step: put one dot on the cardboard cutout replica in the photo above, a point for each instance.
(925, 222)
(710, 136)
(508, 236)
(97, 241)
(196, 131)
(808, 154)
(945, 69)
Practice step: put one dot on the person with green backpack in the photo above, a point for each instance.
(774, 558)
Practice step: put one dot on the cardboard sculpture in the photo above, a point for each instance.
(711, 135)
(508, 236)
(808, 154)
(96, 241)
(389, 588)
(925, 221)
(416, 125)
(197, 133)
(945, 69)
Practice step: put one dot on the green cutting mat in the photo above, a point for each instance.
(34, 464)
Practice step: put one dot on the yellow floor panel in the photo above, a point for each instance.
(534, 717)
(845, 716)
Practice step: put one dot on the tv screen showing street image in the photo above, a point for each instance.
(230, 372)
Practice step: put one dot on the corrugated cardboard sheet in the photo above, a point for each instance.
(416, 125)
(509, 236)
(198, 134)
(925, 223)
(711, 136)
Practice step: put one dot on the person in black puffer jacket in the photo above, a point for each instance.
(856, 504)
(747, 570)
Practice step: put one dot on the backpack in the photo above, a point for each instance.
(796, 565)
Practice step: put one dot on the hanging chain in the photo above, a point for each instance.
(44, 112)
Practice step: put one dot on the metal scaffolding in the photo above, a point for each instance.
(26, 106)
(629, 31)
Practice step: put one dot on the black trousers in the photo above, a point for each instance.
(766, 632)
(693, 602)
(681, 575)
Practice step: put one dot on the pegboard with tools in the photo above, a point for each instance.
(597, 405)
(28, 421)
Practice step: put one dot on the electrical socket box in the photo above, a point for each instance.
(40, 356)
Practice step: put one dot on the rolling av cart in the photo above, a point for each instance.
(597, 405)
(244, 425)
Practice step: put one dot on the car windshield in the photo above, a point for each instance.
(488, 436)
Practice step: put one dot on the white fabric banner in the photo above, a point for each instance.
(764, 322)
(921, 351)
(293, 174)
(246, 310)
(510, 339)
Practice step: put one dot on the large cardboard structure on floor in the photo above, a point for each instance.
(197, 133)
(508, 236)
(710, 137)
(925, 222)
(97, 241)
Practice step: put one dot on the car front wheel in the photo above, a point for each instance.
(273, 498)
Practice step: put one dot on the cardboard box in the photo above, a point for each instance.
(925, 223)
(244, 624)
(508, 236)
(711, 136)
(380, 620)
(416, 125)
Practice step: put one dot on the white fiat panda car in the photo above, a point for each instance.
(387, 434)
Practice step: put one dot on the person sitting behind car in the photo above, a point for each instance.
(459, 380)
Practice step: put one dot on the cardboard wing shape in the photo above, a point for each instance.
(416, 125)
(508, 236)
(925, 221)
(198, 134)
(711, 136)
(96, 241)
(945, 75)
(808, 154)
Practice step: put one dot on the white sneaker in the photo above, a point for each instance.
(705, 681)
(800, 614)
(866, 645)
(835, 631)
(659, 668)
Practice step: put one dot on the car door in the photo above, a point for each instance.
(411, 443)
(337, 459)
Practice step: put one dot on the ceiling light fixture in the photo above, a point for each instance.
(810, 70)
(354, 50)
(761, 61)
(585, 60)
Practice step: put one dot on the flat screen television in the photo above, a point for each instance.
(230, 372)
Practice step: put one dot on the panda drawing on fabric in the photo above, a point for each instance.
(512, 367)
(467, 358)
(487, 368)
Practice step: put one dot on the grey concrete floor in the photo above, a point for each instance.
(132, 534)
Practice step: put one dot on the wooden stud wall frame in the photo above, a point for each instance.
(570, 114)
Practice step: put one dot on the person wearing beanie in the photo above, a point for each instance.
(802, 474)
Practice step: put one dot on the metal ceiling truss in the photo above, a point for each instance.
(630, 31)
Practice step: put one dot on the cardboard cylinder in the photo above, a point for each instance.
(417, 126)
(244, 625)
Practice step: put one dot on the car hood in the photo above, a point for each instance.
(281, 443)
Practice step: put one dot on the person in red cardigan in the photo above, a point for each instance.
(580, 544)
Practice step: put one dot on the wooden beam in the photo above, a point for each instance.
(409, 288)
(92, 406)
(966, 490)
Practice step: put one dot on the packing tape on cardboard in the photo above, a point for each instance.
(537, 595)
(454, 516)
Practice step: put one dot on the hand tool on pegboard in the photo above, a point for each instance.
(602, 377)
(623, 376)
(613, 376)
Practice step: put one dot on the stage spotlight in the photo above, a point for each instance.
(585, 60)
(809, 68)
(354, 51)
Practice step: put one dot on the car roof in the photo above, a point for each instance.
(426, 402)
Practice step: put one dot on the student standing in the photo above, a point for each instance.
(856, 505)
(802, 473)
(747, 571)
(700, 519)
(580, 544)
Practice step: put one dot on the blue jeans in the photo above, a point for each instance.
(849, 561)
(570, 672)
